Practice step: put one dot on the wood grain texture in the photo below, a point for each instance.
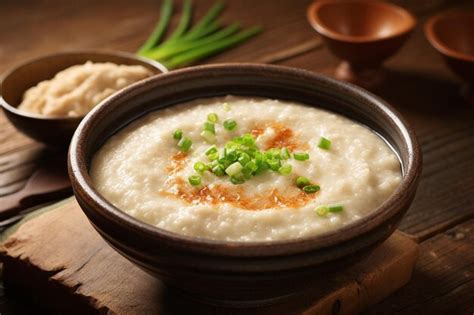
(72, 258)
(443, 279)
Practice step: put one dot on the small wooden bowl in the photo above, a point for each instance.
(452, 35)
(54, 131)
(363, 34)
(241, 273)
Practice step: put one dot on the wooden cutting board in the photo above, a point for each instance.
(57, 257)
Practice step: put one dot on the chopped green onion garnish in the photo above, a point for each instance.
(195, 180)
(212, 117)
(209, 136)
(311, 189)
(210, 126)
(211, 150)
(324, 143)
(234, 169)
(285, 170)
(251, 166)
(200, 167)
(226, 107)
(274, 164)
(302, 181)
(230, 124)
(284, 154)
(213, 156)
(185, 144)
(301, 156)
(236, 180)
(322, 210)
(178, 134)
(244, 158)
(218, 170)
(335, 208)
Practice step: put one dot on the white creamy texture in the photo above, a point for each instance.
(133, 170)
(76, 90)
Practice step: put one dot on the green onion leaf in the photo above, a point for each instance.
(178, 134)
(311, 189)
(185, 144)
(322, 210)
(285, 170)
(324, 143)
(226, 107)
(230, 124)
(198, 53)
(195, 180)
(213, 117)
(160, 28)
(183, 22)
(301, 156)
(302, 181)
(335, 208)
(234, 169)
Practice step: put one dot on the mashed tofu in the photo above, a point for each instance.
(76, 90)
(142, 171)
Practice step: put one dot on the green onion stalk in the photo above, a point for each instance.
(188, 44)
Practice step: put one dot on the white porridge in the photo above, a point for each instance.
(288, 170)
(74, 91)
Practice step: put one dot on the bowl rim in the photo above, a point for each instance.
(13, 109)
(83, 186)
(437, 43)
(325, 31)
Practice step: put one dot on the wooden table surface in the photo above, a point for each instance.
(420, 86)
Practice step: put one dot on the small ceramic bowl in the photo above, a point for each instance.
(55, 131)
(362, 33)
(452, 35)
(241, 273)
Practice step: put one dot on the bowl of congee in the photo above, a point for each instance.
(46, 98)
(244, 183)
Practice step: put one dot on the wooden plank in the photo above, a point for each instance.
(58, 257)
(443, 279)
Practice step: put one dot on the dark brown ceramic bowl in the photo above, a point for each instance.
(362, 33)
(239, 272)
(55, 131)
(452, 35)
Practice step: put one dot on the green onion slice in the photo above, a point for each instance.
(200, 167)
(234, 169)
(185, 144)
(209, 136)
(324, 143)
(311, 189)
(195, 180)
(302, 181)
(230, 124)
(178, 134)
(285, 170)
(322, 210)
(212, 117)
(335, 208)
(301, 156)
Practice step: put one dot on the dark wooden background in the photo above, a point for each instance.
(420, 86)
